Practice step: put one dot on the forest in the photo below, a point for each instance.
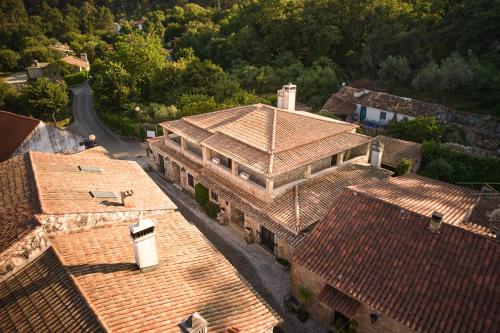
(176, 58)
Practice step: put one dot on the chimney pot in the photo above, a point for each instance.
(377, 152)
(436, 221)
(287, 96)
(144, 238)
(127, 202)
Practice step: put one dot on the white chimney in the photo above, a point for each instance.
(84, 57)
(286, 97)
(377, 152)
(144, 238)
(198, 324)
(36, 63)
(436, 220)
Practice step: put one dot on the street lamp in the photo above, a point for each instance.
(92, 140)
(138, 110)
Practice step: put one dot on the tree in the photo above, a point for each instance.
(154, 23)
(419, 129)
(439, 169)
(112, 86)
(394, 70)
(9, 60)
(404, 167)
(47, 100)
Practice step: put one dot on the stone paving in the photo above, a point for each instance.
(252, 261)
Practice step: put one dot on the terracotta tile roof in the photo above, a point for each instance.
(312, 197)
(269, 140)
(396, 150)
(42, 298)
(14, 129)
(192, 277)
(98, 151)
(63, 188)
(159, 143)
(338, 106)
(338, 301)
(75, 62)
(480, 219)
(383, 101)
(423, 196)
(385, 256)
(18, 200)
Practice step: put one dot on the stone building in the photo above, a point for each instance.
(269, 169)
(20, 134)
(92, 244)
(407, 254)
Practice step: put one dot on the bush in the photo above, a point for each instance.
(201, 194)
(124, 124)
(76, 78)
(404, 167)
(394, 70)
(9, 60)
(439, 169)
(211, 209)
(419, 129)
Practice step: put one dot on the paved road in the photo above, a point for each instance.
(86, 123)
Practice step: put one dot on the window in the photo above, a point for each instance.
(383, 115)
(333, 160)
(229, 163)
(214, 196)
(190, 180)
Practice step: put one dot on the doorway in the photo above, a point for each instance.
(267, 239)
(161, 164)
(362, 113)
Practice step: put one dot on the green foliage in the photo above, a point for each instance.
(211, 209)
(126, 125)
(304, 295)
(76, 78)
(201, 194)
(47, 100)
(440, 162)
(394, 70)
(9, 60)
(454, 74)
(112, 86)
(196, 104)
(404, 167)
(419, 129)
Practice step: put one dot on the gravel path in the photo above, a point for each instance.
(252, 261)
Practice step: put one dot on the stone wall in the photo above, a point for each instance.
(302, 277)
(37, 240)
(49, 139)
(24, 250)
(283, 249)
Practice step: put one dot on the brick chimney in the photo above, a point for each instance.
(126, 198)
(436, 221)
(377, 151)
(286, 97)
(144, 237)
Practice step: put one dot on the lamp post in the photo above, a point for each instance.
(138, 110)
(92, 140)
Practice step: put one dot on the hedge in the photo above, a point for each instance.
(124, 124)
(77, 78)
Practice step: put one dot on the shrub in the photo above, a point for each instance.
(211, 209)
(9, 60)
(76, 78)
(419, 129)
(439, 169)
(404, 167)
(304, 295)
(201, 194)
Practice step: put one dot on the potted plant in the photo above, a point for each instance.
(304, 298)
(283, 264)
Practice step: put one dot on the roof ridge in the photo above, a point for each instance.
(273, 142)
(297, 207)
(35, 178)
(20, 116)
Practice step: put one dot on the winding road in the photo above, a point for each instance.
(86, 123)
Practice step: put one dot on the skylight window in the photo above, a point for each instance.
(89, 168)
(103, 194)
